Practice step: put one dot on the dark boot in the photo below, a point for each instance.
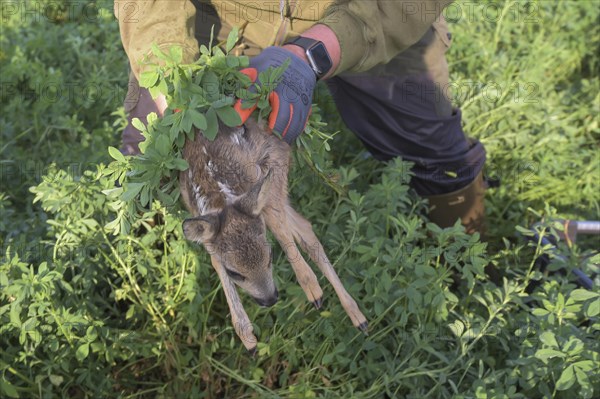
(465, 204)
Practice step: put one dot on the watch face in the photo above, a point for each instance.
(319, 58)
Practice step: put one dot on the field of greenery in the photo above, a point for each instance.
(86, 313)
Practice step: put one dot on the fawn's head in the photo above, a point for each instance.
(236, 236)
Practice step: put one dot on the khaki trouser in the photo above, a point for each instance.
(402, 108)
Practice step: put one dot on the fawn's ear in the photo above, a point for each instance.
(201, 229)
(254, 200)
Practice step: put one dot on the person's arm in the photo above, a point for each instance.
(164, 23)
(360, 34)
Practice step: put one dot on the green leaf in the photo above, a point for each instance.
(165, 198)
(573, 346)
(158, 53)
(91, 334)
(592, 309)
(585, 365)
(582, 377)
(545, 354)
(8, 389)
(244, 79)
(232, 61)
(581, 294)
(232, 39)
(547, 337)
(113, 226)
(176, 53)
(218, 53)
(457, 328)
(15, 314)
(212, 124)
(222, 102)
(148, 78)
(198, 119)
(116, 154)
(56, 380)
(276, 73)
(244, 61)
(138, 124)
(145, 196)
(162, 88)
(566, 380)
(130, 191)
(186, 121)
(212, 36)
(181, 164)
(211, 86)
(263, 103)
(82, 352)
(152, 117)
(229, 116)
(163, 145)
(540, 312)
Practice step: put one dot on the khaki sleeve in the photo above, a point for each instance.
(372, 32)
(163, 22)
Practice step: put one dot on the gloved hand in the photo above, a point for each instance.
(291, 100)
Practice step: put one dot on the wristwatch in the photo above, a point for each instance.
(318, 57)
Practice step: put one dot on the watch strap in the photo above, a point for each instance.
(308, 44)
(304, 42)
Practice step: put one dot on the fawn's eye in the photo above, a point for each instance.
(235, 275)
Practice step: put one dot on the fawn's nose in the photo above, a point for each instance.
(268, 301)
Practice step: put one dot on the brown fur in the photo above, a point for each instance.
(235, 186)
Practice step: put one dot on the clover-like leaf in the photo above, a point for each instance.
(232, 39)
(229, 116)
(567, 379)
(116, 154)
(212, 124)
(148, 78)
(198, 119)
(176, 53)
(82, 352)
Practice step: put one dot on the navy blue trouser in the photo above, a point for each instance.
(403, 108)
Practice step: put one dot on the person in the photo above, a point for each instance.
(383, 61)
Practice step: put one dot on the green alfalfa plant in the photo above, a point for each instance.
(200, 95)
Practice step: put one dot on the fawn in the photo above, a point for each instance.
(236, 185)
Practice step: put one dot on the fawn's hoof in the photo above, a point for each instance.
(364, 327)
(252, 351)
(318, 303)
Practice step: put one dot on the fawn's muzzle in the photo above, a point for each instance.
(268, 301)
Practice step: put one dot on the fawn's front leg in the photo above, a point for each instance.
(303, 234)
(277, 223)
(239, 317)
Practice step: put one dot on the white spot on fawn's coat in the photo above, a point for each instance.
(229, 195)
(238, 136)
(201, 201)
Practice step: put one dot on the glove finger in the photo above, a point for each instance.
(281, 116)
(288, 122)
(252, 73)
(245, 113)
(275, 105)
(297, 124)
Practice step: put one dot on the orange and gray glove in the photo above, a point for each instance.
(292, 98)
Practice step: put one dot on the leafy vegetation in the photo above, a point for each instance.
(88, 313)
